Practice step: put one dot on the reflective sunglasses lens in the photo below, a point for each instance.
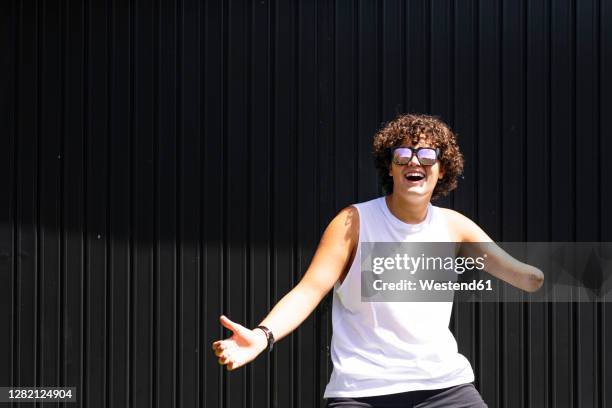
(402, 155)
(427, 157)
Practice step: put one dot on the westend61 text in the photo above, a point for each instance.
(431, 285)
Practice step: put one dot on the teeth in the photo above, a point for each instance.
(415, 174)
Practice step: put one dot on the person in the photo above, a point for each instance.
(387, 354)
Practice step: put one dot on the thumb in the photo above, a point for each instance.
(227, 323)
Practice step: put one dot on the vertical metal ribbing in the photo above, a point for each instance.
(88, 290)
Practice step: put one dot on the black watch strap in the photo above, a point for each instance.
(269, 336)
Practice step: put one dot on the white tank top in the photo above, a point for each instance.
(382, 348)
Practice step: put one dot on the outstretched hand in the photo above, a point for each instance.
(241, 348)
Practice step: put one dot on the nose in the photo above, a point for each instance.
(414, 161)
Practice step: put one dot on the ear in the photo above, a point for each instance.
(441, 174)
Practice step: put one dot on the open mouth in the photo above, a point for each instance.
(414, 176)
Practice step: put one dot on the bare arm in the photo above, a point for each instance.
(498, 262)
(331, 259)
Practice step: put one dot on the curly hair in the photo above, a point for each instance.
(412, 128)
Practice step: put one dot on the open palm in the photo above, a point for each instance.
(241, 347)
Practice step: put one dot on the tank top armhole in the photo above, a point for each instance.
(444, 222)
(338, 286)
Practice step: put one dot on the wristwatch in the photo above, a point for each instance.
(269, 336)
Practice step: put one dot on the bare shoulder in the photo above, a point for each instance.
(335, 251)
(455, 217)
(345, 225)
(463, 229)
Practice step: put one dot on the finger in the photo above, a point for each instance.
(227, 323)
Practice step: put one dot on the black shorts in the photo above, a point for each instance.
(459, 396)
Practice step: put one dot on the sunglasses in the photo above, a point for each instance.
(426, 156)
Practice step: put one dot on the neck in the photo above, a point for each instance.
(408, 210)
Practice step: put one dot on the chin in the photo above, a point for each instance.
(413, 192)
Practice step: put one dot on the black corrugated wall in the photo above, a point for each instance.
(166, 161)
